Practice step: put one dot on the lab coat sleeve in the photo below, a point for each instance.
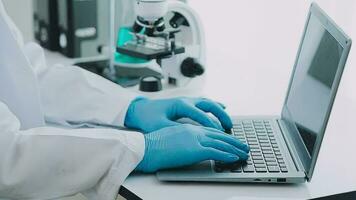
(50, 163)
(70, 93)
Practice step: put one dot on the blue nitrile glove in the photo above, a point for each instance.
(151, 115)
(186, 144)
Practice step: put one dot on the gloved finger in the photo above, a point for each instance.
(228, 139)
(217, 124)
(217, 155)
(222, 105)
(217, 111)
(219, 103)
(188, 111)
(223, 146)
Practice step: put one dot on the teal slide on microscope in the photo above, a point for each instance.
(124, 35)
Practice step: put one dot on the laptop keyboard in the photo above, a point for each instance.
(265, 155)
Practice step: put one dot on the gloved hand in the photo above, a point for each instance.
(184, 145)
(151, 115)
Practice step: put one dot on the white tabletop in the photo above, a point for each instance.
(251, 51)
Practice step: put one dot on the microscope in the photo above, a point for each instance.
(170, 33)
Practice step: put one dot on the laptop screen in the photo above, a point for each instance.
(310, 93)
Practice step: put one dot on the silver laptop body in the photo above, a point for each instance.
(285, 149)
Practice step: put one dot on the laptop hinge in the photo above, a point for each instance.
(291, 147)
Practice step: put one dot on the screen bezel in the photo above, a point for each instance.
(345, 42)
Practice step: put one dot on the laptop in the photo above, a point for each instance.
(285, 149)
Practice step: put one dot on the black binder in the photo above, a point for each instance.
(78, 23)
(46, 23)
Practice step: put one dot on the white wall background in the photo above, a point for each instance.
(257, 36)
(249, 38)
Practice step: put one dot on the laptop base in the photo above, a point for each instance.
(206, 171)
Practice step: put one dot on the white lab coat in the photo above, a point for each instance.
(42, 162)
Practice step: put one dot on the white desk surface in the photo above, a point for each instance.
(248, 70)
